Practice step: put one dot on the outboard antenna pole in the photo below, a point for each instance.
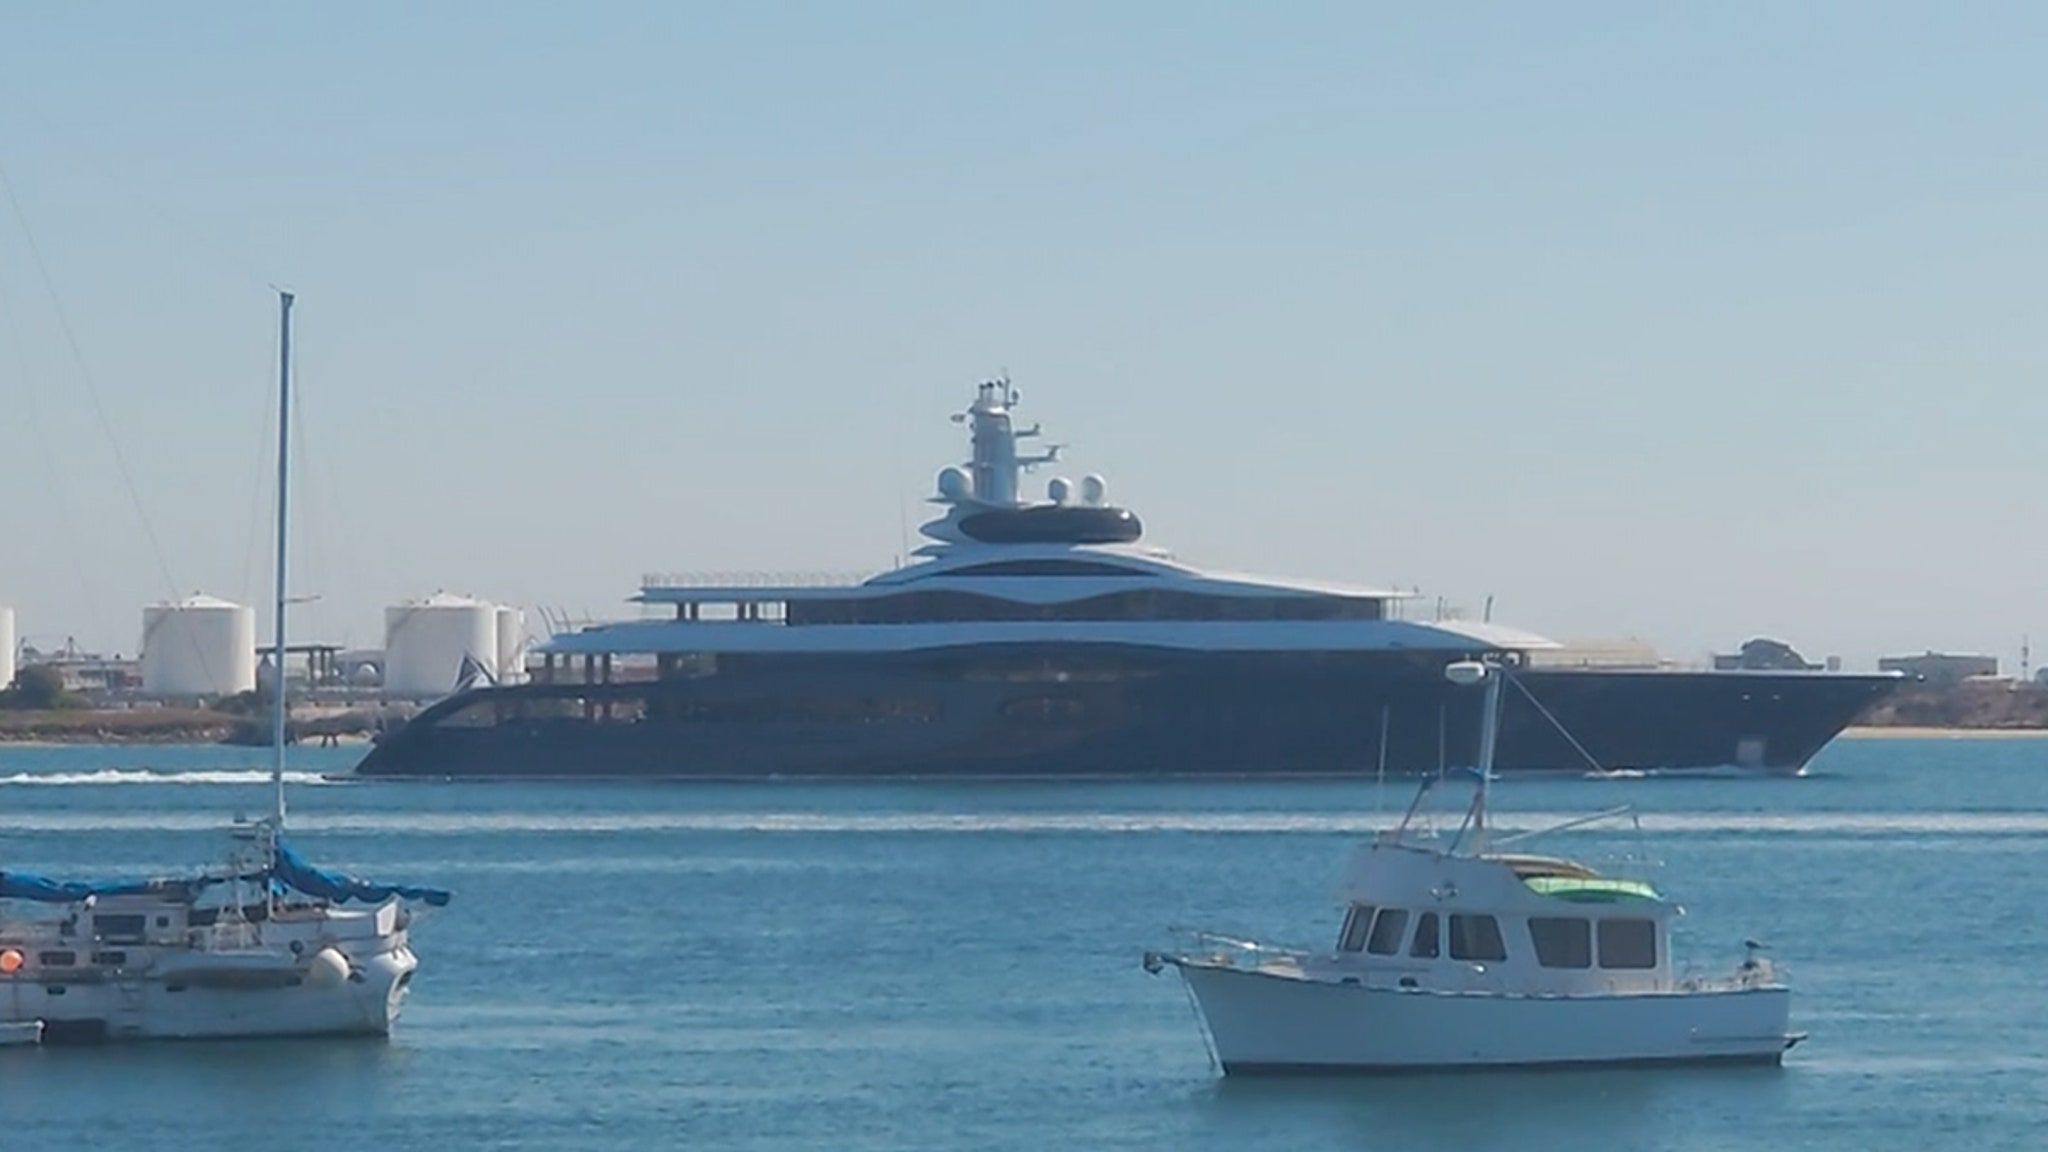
(1489, 735)
(284, 429)
(1489, 673)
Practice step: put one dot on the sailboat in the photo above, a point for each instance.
(268, 945)
(1461, 955)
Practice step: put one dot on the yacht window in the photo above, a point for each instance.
(1386, 932)
(1426, 944)
(56, 959)
(1628, 943)
(934, 605)
(1476, 938)
(1562, 941)
(1053, 567)
(1356, 922)
(479, 713)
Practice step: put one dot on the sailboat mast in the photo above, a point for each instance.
(284, 427)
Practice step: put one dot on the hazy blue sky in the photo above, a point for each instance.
(1683, 324)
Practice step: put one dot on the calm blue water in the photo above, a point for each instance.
(954, 966)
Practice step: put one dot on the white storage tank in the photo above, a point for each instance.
(426, 642)
(198, 646)
(7, 648)
(511, 644)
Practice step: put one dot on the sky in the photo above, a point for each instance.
(1680, 323)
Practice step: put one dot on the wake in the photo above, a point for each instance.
(109, 776)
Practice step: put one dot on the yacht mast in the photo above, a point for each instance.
(284, 425)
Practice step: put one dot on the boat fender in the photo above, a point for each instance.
(327, 969)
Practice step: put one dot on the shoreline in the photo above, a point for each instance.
(217, 737)
(1931, 732)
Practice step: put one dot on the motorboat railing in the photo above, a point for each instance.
(1236, 951)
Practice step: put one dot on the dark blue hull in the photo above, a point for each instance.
(1119, 714)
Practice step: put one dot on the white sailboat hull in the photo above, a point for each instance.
(1267, 1023)
(310, 978)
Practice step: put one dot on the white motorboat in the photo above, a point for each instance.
(265, 946)
(1453, 954)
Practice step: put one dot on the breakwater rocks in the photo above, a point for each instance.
(175, 726)
(1972, 704)
(116, 726)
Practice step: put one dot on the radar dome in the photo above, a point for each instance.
(1465, 673)
(1060, 489)
(953, 484)
(1094, 489)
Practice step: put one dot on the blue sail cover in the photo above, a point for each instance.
(292, 870)
(26, 886)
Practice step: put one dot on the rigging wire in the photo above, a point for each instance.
(92, 391)
(311, 524)
(1557, 724)
(216, 251)
(258, 486)
(58, 494)
(227, 255)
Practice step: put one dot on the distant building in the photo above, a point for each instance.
(86, 673)
(1941, 668)
(1597, 654)
(1764, 655)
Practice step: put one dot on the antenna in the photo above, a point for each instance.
(1466, 673)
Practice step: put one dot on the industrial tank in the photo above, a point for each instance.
(198, 646)
(511, 644)
(7, 649)
(426, 642)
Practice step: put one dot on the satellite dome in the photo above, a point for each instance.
(953, 484)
